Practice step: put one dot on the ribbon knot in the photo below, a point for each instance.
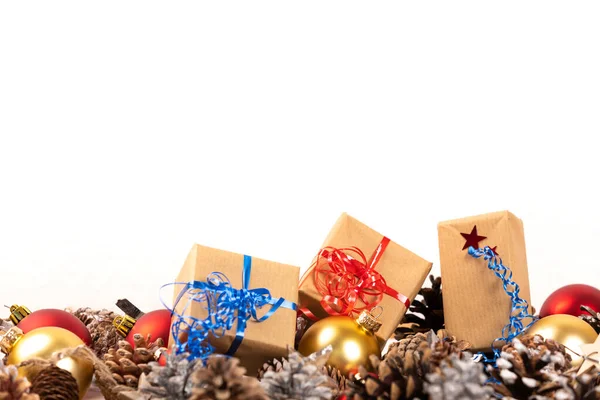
(348, 283)
(224, 306)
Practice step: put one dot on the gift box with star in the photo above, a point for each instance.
(476, 304)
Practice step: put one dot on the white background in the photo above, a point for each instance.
(130, 130)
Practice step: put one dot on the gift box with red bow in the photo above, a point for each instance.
(358, 269)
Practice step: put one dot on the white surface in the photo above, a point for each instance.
(131, 130)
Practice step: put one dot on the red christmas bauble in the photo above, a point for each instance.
(57, 318)
(568, 299)
(157, 324)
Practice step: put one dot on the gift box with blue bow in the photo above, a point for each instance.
(234, 304)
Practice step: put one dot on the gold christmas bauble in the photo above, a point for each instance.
(43, 343)
(352, 342)
(567, 330)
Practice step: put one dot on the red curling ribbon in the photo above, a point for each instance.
(348, 283)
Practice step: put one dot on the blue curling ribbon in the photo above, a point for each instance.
(224, 306)
(519, 308)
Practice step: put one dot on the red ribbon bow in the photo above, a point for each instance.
(348, 283)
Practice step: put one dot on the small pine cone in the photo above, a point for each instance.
(127, 363)
(523, 372)
(99, 323)
(12, 387)
(459, 379)
(223, 378)
(55, 383)
(593, 318)
(536, 344)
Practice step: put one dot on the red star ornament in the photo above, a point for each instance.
(472, 239)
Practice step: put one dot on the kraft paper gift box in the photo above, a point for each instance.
(476, 307)
(402, 270)
(264, 340)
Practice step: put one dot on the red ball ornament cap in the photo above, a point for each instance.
(124, 324)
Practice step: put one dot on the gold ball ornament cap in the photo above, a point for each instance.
(367, 320)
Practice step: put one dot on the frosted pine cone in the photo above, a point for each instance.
(523, 372)
(458, 379)
(173, 381)
(301, 378)
(277, 365)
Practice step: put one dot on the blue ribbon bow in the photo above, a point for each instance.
(225, 306)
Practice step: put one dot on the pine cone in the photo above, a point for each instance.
(99, 323)
(12, 387)
(425, 314)
(524, 371)
(340, 379)
(409, 344)
(537, 345)
(443, 346)
(173, 381)
(127, 363)
(583, 387)
(301, 378)
(223, 378)
(422, 353)
(394, 380)
(593, 319)
(55, 383)
(459, 379)
(277, 365)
